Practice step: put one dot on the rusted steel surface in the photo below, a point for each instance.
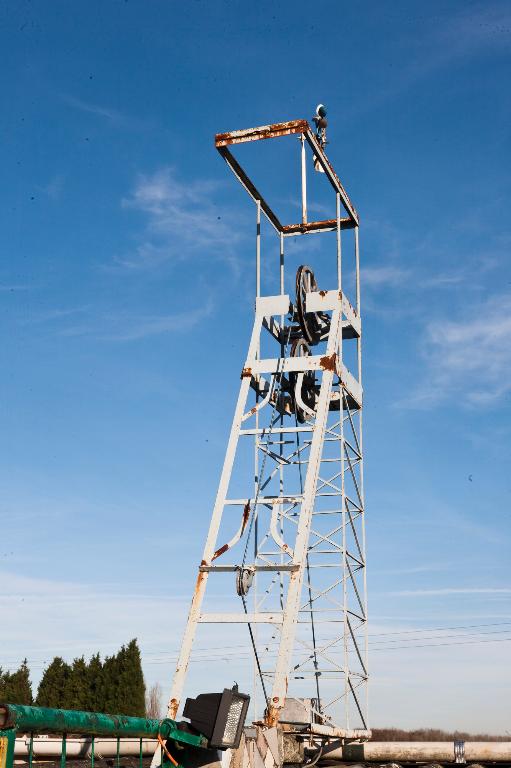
(329, 362)
(173, 707)
(275, 130)
(261, 132)
(326, 225)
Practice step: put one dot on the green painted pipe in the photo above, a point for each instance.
(46, 720)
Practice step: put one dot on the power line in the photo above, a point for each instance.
(165, 657)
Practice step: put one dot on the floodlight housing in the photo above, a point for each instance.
(219, 717)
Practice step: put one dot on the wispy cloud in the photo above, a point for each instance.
(6, 287)
(425, 568)
(446, 591)
(182, 220)
(53, 189)
(76, 618)
(107, 113)
(384, 276)
(470, 357)
(112, 325)
(443, 40)
(128, 327)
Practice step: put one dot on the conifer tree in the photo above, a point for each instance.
(124, 682)
(51, 691)
(115, 686)
(96, 684)
(15, 687)
(133, 681)
(76, 689)
(111, 685)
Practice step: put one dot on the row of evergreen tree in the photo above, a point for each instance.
(115, 685)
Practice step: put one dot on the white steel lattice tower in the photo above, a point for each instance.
(292, 544)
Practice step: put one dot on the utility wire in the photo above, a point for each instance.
(162, 656)
(313, 628)
(253, 517)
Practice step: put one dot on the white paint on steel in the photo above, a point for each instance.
(316, 529)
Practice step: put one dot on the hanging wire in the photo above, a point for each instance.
(277, 377)
(313, 628)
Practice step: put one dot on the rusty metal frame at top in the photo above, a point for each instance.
(224, 140)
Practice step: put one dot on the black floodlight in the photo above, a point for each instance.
(219, 717)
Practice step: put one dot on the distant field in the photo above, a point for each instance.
(431, 734)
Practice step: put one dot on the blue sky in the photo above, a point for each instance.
(126, 284)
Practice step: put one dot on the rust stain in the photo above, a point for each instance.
(246, 515)
(253, 410)
(203, 562)
(315, 226)
(246, 373)
(200, 579)
(173, 708)
(322, 293)
(220, 552)
(329, 362)
(263, 132)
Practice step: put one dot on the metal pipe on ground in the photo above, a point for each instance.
(81, 747)
(418, 751)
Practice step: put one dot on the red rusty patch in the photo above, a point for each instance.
(220, 552)
(322, 293)
(246, 514)
(173, 707)
(318, 226)
(246, 373)
(261, 132)
(329, 362)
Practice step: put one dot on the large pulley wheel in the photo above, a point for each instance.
(307, 393)
(310, 322)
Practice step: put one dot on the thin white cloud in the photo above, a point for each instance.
(468, 358)
(132, 327)
(385, 276)
(446, 591)
(74, 619)
(5, 288)
(117, 326)
(183, 221)
(443, 40)
(425, 568)
(155, 325)
(108, 113)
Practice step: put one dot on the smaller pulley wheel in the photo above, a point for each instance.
(300, 348)
(244, 578)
